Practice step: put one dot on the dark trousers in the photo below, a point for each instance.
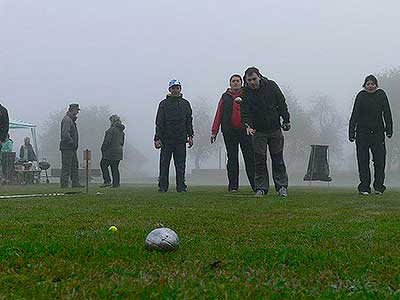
(104, 165)
(178, 151)
(69, 169)
(274, 141)
(233, 138)
(376, 143)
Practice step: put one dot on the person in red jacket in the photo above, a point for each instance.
(228, 117)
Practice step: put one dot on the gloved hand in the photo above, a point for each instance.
(213, 138)
(389, 135)
(157, 144)
(190, 141)
(286, 126)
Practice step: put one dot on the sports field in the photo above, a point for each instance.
(315, 244)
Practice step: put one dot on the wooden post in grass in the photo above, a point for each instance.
(87, 156)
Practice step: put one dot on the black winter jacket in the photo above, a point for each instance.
(114, 139)
(371, 114)
(263, 108)
(174, 122)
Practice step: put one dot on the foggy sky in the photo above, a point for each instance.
(123, 53)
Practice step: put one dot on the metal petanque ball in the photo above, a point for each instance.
(238, 100)
(162, 239)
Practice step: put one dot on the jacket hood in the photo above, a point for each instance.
(169, 95)
(377, 90)
(233, 94)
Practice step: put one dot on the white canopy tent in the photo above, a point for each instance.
(14, 124)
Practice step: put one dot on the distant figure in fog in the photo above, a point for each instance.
(69, 146)
(8, 144)
(370, 119)
(112, 152)
(4, 124)
(26, 152)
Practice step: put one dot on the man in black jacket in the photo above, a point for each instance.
(370, 119)
(4, 124)
(174, 129)
(263, 105)
(68, 148)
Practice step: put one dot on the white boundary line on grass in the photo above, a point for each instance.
(37, 195)
(31, 195)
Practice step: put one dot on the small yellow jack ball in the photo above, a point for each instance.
(113, 228)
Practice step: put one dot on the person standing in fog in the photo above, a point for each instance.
(262, 108)
(112, 152)
(26, 152)
(69, 146)
(228, 117)
(174, 129)
(370, 119)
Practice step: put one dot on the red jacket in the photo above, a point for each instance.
(236, 122)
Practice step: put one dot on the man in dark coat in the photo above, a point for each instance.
(69, 146)
(4, 124)
(174, 129)
(262, 108)
(112, 152)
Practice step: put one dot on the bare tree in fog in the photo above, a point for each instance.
(202, 121)
(300, 137)
(329, 125)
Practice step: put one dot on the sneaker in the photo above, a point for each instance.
(283, 192)
(182, 191)
(260, 193)
(233, 191)
(162, 191)
(378, 193)
(364, 193)
(105, 185)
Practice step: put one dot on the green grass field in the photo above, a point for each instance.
(316, 244)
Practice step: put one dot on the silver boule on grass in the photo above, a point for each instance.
(238, 100)
(162, 239)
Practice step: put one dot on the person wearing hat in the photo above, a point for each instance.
(174, 128)
(69, 146)
(112, 152)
